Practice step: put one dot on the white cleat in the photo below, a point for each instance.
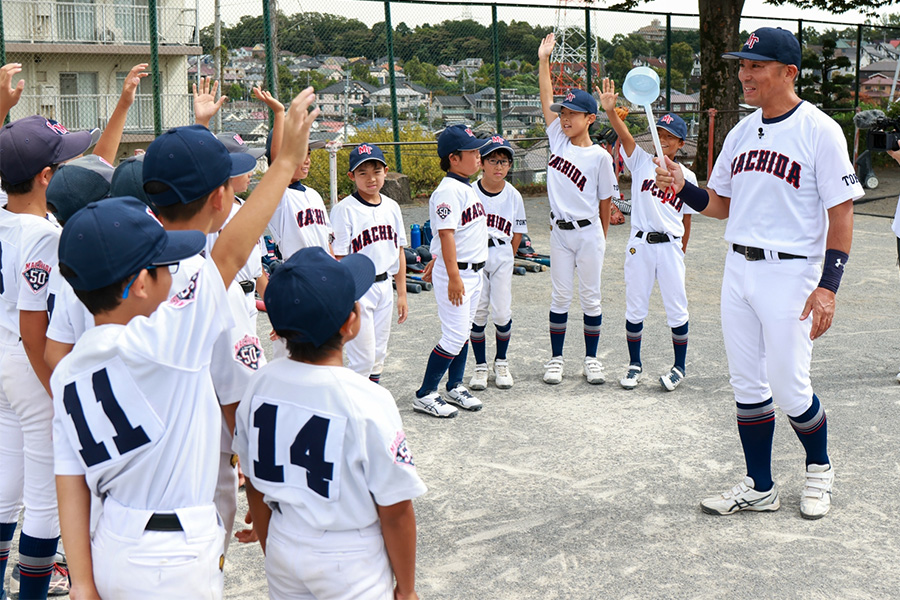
(434, 405)
(479, 379)
(593, 370)
(742, 497)
(553, 370)
(632, 377)
(502, 377)
(672, 379)
(461, 397)
(815, 501)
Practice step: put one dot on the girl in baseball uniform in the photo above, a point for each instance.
(660, 227)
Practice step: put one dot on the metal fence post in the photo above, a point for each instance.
(498, 104)
(271, 62)
(217, 53)
(154, 67)
(395, 122)
(858, 61)
(668, 64)
(800, 39)
(588, 55)
(2, 48)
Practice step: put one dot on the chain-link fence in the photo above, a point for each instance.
(391, 70)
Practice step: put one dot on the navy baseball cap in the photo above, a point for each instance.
(497, 142)
(313, 145)
(311, 295)
(365, 152)
(577, 100)
(770, 43)
(30, 144)
(77, 183)
(128, 179)
(192, 163)
(674, 125)
(108, 241)
(456, 138)
(235, 144)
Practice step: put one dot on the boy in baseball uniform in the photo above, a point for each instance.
(330, 479)
(370, 223)
(506, 223)
(460, 250)
(136, 417)
(580, 184)
(660, 227)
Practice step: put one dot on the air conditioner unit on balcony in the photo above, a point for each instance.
(41, 23)
(48, 94)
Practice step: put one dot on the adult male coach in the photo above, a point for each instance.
(785, 183)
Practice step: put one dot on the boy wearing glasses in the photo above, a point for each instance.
(506, 223)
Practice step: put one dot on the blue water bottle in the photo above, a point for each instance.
(415, 235)
(427, 234)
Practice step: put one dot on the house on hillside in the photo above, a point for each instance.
(877, 88)
(354, 93)
(409, 96)
(512, 128)
(451, 110)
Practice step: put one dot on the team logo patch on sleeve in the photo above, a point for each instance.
(443, 210)
(37, 275)
(188, 294)
(247, 351)
(400, 451)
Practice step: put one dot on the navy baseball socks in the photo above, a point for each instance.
(36, 559)
(679, 342)
(633, 337)
(756, 426)
(502, 334)
(438, 363)
(457, 368)
(476, 336)
(592, 334)
(812, 429)
(558, 332)
(7, 531)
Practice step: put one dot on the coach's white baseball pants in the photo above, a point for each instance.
(768, 346)
(26, 449)
(644, 265)
(581, 248)
(309, 564)
(367, 351)
(496, 286)
(132, 563)
(456, 321)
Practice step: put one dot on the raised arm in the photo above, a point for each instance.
(608, 98)
(9, 96)
(205, 103)
(277, 109)
(546, 83)
(234, 244)
(108, 144)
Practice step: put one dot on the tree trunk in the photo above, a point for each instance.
(720, 22)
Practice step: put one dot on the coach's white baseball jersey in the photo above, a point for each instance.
(577, 177)
(324, 442)
(300, 221)
(505, 211)
(69, 318)
(804, 154)
(653, 209)
(455, 205)
(135, 410)
(375, 230)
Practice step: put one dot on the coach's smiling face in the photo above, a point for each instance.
(765, 81)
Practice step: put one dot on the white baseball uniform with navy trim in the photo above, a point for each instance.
(782, 175)
(300, 221)
(69, 318)
(376, 230)
(325, 446)
(252, 269)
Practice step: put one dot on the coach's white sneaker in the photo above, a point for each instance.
(502, 377)
(461, 397)
(672, 379)
(634, 374)
(742, 497)
(553, 370)
(816, 498)
(479, 377)
(593, 370)
(434, 405)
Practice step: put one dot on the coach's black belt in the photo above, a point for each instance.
(381, 277)
(759, 253)
(492, 242)
(474, 266)
(248, 286)
(569, 225)
(164, 522)
(654, 237)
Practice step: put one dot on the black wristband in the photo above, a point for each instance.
(833, 269)
(694, 197)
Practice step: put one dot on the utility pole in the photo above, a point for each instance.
(346, 103)
(217, 52)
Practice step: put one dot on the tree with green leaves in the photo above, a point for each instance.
(826, 85)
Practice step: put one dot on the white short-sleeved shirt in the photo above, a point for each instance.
(134, 407)
(782, 176)
(455, 205)
(505, 211)
(28, 244)
(252, 269)
(300, 221)
(578, 177)
(325, 443)
(376, 230)
(653, 209)
(69, 318)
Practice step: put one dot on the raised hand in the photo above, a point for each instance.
(132, 82)
(607, 94)
(546, 47)
(268, 99)
(205, 103)
(9, 96)
(297, 123)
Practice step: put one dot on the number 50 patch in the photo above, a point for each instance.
(37, 275)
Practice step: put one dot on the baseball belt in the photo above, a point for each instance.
(381, 277)
(654, 237)
(760, 254)
(492, 242)
(474, 266)
(248, 286)
(570, 225)
(164, 522)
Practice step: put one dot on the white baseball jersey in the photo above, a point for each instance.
(300, 221)
(804, 152)
(28, 244)
(69, 318)
(505, 211)
(135, 410)
(325, 443)
(653, 209)
(375, 230)
(577, 177)
(252, 269)
(895, 224)
(455, 205)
